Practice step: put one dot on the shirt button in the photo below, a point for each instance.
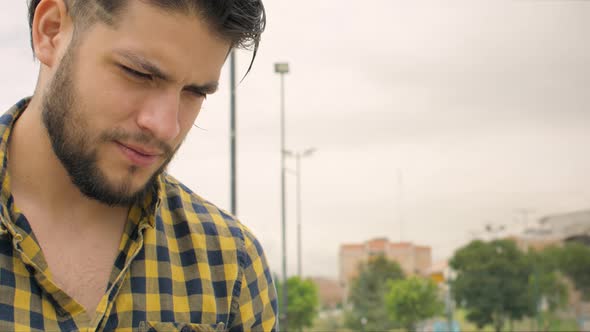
(61, 312)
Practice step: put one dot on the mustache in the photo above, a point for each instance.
(142, 138)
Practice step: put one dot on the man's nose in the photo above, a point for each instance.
(160, 116)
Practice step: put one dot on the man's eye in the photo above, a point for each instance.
(200, 95)
(136, 73)
(196, 93)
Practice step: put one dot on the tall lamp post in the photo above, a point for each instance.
(494, 230)
(232, 133)
(298, 155)
(282, 69)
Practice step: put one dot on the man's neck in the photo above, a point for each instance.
(37, 175)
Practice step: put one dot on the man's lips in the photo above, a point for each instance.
(138, 155)
(142, 150)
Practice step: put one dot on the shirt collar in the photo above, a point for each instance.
(7, 121)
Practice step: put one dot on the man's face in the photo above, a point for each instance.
(122, 100)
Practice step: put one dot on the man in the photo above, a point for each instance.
(94, 235)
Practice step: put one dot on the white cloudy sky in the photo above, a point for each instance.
(479, 105)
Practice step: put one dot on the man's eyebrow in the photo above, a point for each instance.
(157, 73)
(145, 64)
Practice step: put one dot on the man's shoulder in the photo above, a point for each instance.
(187, 211)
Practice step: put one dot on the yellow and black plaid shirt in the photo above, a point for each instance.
(183, 265)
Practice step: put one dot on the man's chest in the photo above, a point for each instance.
(156, 285)
(139, 304)
(80, 264)
(85, 279)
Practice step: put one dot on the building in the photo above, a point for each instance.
(555, 230)
(574, 226)
(414, 260)
(440, 272)
(330, 292)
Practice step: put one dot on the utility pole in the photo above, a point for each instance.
(525, 213)
(449, 303)
(232, 133)
(400, 187)
(298, 170)
(298, 156)
(494, 230)
(282, 69)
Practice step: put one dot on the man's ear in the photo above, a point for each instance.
(52, 29)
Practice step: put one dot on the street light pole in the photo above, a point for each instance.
(298, 156)
(298, 170)
(232, 133)
(494, 230)
(282, 69)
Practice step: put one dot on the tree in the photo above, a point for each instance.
(413, 300)
(367, 295)
(302, 304)
(546, 283)
(492, 282)
(574, 262)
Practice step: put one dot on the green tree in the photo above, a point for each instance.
(413, 300)
(302, 303)
(546, 283)
(492, 282)
(479, 318)
(574, 262)
(367, 295)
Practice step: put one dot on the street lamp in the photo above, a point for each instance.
(232, 133)
(494, 230)
(282, 69)
(298, 155)
(449, 300)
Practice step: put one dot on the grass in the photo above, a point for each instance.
(336, 324)
(526, 325)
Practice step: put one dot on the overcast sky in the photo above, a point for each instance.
(477, 108)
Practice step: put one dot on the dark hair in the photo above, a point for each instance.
(239, 21)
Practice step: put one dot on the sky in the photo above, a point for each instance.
(431, 119)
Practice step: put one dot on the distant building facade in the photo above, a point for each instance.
(555, 230)
(413, 259)
(574, 226)
(330, 292)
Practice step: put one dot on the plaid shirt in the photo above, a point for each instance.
(183, 265)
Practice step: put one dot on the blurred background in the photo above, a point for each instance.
(447, 146)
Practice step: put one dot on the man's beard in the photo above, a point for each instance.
(72, 143)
